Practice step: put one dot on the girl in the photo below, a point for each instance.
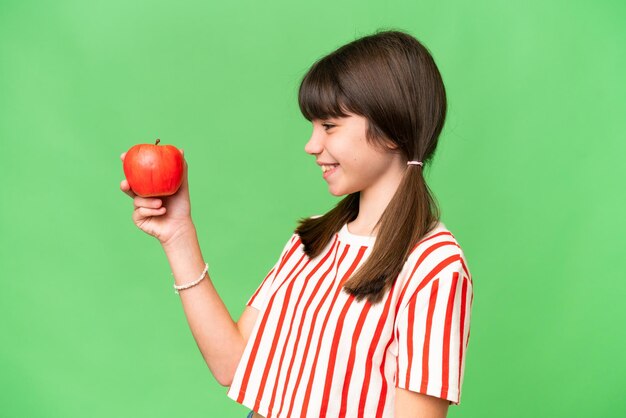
(366, 312)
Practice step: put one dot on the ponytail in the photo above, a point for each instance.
(411, 214)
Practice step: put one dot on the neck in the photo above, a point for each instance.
(373, 201)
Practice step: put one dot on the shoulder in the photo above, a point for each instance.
(438, 238)
(291, 239)
(436, 254)
(436, 260)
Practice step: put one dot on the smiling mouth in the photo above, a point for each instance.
(326, 168)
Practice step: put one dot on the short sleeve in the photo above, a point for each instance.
(432, 334)
(259, 297)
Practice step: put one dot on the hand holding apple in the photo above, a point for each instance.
(153, 170)
(166, 218)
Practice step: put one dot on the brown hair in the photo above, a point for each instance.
(391, 79)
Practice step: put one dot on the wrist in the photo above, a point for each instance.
(188, 285)
(182, 234)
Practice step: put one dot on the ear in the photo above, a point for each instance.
(390, 144)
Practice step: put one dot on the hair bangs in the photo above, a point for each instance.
(320, 95)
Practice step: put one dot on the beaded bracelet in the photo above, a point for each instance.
(192, 284)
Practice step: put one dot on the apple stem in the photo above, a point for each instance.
(157, 141)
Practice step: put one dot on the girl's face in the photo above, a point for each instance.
(355, 165)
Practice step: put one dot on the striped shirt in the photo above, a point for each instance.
(315, 351)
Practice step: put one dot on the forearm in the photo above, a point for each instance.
(215, 332)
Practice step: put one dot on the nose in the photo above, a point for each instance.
(315, 144)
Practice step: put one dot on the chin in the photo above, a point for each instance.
(339, 192)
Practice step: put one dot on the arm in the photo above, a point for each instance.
(216, 334)
(219, 339)
(417, 405)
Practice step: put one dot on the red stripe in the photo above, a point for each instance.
(429, 322)
(278, 331)
(397, 363)
(283, 260)
(376, 338)
(307, 280)
(445, 360)
(418, 263)
(257, 342)
(462, 334)
(466, 270)
(304, 314)
(383, 388)
(443, 264)
(439, 234)
(330, 369)
(350, 366)
(260, 287)
(469, 331)
(294, 247)
(314, 321)
(422, 284)
(409, 339)
(307, 392)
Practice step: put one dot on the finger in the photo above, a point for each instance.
(125, 187)
(147, 212)
(147, 202)
(185, 183)
(122, 156)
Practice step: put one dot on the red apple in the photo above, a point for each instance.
(153, 170)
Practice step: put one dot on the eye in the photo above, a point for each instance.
(327, 126)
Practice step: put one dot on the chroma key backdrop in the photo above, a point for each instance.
(529, 174)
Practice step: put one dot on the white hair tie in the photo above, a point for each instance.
(415, 163)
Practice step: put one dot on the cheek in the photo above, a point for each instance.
(373, 166)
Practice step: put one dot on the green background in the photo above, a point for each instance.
(529, 175)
